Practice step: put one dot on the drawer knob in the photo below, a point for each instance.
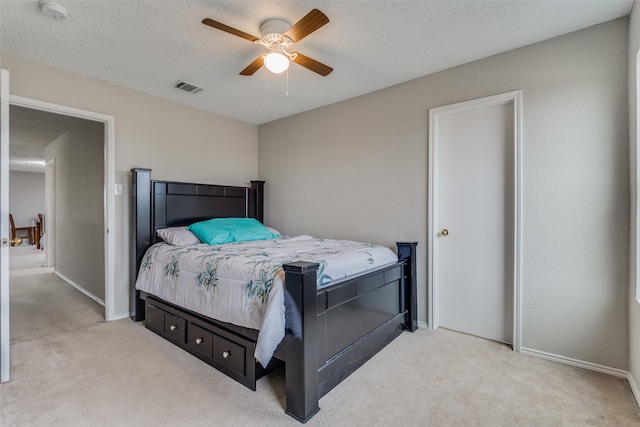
(226, 354)
(173, 327)
(199, 340)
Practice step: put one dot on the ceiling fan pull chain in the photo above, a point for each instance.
(287, 82)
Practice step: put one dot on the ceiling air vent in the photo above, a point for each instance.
(187, 87)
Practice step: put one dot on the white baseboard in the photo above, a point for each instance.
(577, 363)
(119, 316)
(590, 366)
(634, 387)
(80, 288)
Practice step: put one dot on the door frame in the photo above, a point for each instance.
(109, 185)
(50, 204)
(5, 328)
(514, 99)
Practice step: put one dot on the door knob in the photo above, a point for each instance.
(444, 232)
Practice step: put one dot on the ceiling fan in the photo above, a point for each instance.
(278, 37)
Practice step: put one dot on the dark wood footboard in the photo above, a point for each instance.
(333, 331)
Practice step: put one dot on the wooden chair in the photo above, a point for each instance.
(39, 231)
(14, 231)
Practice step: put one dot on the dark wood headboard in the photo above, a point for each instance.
(160, 204)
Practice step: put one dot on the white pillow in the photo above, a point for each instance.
(178, 236)
(273, 231)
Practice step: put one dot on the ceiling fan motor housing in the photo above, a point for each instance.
(273, 32)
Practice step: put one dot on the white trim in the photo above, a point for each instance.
(633, 176)
(517, 243)
(80, 288)
(109, 202)
(576, 363)
(515, 99)
(50, 214)
(5, 329)
(119, 316)
(588, 366)
(433, 317)
(109, 218)
(634, 387)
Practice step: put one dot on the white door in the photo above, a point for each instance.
(474, 219)
(4, 226)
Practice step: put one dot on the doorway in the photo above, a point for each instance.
(106, 192)
(474, 217)
(75, 243)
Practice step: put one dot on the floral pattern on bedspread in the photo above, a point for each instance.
(243, 283)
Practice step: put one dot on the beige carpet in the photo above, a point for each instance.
(87, 372)
(26, 260)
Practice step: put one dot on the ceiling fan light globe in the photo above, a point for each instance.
(276, 62)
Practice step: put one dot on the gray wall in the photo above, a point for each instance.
(26, 197)
(634, 303)
(179, 143)
(358, 169)
(79, 205)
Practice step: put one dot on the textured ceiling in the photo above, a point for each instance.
(30, 132)
(148, 45)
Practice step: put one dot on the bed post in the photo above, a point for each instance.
(258, 187)
(407, 252)
(141, 234)
(301, 340)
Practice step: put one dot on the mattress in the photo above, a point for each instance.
(243, 283)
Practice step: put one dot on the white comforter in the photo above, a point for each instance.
(243, 283)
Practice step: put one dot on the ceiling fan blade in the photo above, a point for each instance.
(228, 29)
(312, 64)
(307, 25)
(253, 67)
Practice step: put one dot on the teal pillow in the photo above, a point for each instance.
(226, 230)
(209, 234)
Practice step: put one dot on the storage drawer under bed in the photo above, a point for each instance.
(165, 323)
(229, 353)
